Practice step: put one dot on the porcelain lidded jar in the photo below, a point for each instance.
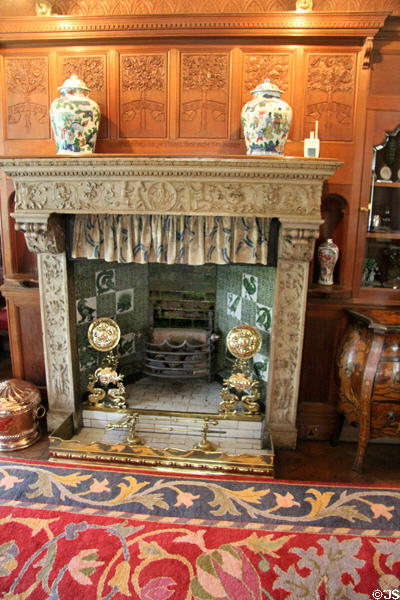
(266, 120)
(75, 118)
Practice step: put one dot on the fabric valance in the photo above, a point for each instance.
(171, 239)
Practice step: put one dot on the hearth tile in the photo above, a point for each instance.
(86, 310)
(106, 306)
(105, 281)
(84, 278)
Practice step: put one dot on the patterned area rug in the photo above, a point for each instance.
(71, 531)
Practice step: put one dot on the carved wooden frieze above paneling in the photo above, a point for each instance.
(131, 7)
(204, 101)
(92, 70)
(330, 95)
(143, 95)
(27, 97)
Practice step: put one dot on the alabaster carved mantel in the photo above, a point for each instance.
(282, 187)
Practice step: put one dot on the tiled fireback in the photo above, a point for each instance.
(244, 294)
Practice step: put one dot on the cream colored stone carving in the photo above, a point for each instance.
(43, 237)
(56, 335)
(259, 187)
(286, 188)
(288, 327)
(295, 251)
(298, 243)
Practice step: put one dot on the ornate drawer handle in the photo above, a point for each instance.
(391, 415)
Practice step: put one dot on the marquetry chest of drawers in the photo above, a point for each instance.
(369, 376)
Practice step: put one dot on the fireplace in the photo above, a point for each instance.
(287, 189)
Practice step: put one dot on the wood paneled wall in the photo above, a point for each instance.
(181, 99)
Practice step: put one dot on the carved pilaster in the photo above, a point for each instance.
(54, 307)
(44, 235)
(296, 247)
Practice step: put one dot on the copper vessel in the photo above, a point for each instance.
(20, 414)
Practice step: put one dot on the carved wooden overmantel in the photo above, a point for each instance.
(282, 187)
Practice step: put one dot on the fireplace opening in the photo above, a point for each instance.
(174, 320)
(181, 337)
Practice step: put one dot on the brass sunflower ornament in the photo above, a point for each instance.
(105, 386)
(243, 342)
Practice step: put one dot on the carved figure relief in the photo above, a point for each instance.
(204, 94)
(27, 98)
(92, 70)
(330, 95)
(143, 95)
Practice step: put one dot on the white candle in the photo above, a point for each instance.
(316, 130)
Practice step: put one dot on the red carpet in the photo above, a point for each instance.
(77, 532)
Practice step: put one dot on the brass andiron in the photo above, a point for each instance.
(243, 341)
(129, 422)
(105, 385)
(205, 444)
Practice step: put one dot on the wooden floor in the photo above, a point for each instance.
(311, 461)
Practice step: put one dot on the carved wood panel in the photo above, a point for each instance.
(143, 95)
(258, 66)
(93, 71)
(204, 95)
(330, 95)
(27, 97)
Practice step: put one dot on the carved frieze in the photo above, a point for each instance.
(131, 7)
(260, 187)
(179, 197)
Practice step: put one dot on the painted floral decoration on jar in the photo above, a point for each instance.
(328, 254)
(266, 120)
(75, 118)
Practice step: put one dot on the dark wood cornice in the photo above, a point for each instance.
(276, 24)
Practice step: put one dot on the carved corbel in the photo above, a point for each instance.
(367, 49)
(297, 243)
(44, 235)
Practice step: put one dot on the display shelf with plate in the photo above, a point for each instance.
(381, 268)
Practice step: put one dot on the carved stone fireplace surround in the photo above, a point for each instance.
(283, 187)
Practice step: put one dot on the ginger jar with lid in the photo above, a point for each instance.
(75, 118)
(266, 120)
